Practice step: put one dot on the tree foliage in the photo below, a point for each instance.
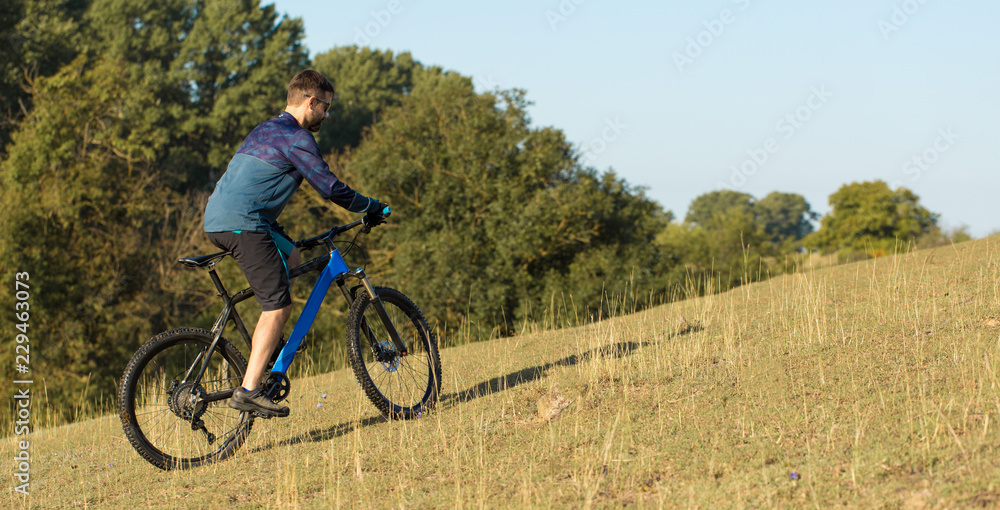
(714, 205)
(730, 238)
(870, 218)
(216, 66)
(83, 204)
(104, 176)
(37, 37)
(495, 214)
(784, 216)
(366, 82)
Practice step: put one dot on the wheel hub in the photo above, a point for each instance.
(185, 402)
(387, 356)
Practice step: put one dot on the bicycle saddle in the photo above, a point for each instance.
(203, 260)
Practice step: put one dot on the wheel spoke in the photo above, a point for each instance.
(399, 385)
(160, 424)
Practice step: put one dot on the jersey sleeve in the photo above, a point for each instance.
(306, 159)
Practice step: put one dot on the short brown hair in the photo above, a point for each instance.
(307, 83)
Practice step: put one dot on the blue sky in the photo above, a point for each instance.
(754, 95)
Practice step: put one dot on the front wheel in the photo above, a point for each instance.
(400, 385)
(172, 421)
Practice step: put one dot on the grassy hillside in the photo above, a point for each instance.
(877, 384)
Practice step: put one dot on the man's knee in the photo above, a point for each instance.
(281, 314)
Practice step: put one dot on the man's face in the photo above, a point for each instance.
(319, 105)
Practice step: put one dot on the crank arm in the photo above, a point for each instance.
(217, 396)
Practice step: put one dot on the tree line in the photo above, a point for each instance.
(118, 116)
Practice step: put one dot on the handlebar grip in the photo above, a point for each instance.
(387, 211)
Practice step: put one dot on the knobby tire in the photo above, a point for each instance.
(401, 387)
(160, 428)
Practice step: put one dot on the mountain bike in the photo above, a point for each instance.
(173, 395)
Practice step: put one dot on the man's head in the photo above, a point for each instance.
(309, 98)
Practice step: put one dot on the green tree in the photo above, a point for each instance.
(84, 208)
(236, 61)
(706, 207)
(37, 37)
(218, 68)
(104, 176)
(488, 209)
(729, 238)
(785, 216)
(736, 246)
(870, 218)
(366, 82)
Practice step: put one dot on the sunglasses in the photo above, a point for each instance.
(327, 103)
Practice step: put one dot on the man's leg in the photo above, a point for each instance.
(265, 271)
(266, 336)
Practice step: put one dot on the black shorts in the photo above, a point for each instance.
(262, 263)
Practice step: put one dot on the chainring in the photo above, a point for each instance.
(276, 386)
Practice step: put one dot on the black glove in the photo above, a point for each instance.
(375, 214)
(375, 207)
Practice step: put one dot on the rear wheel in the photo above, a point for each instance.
(400, 386)
(171, 423)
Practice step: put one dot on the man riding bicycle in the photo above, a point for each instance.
(242, 216)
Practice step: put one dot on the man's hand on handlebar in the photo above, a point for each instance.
(376, 214)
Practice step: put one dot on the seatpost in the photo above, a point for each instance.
(218, 283)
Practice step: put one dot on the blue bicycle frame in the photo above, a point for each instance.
(336, 270)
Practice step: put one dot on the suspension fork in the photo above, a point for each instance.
(401, 347)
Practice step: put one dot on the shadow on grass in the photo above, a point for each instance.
(485, 388)
(511, 380)
(506, 382)
(317, 435)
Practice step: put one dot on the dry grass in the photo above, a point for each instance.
(877, 383)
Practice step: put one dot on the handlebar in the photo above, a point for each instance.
(305, 244)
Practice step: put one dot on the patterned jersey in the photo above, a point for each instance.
(268, 167)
